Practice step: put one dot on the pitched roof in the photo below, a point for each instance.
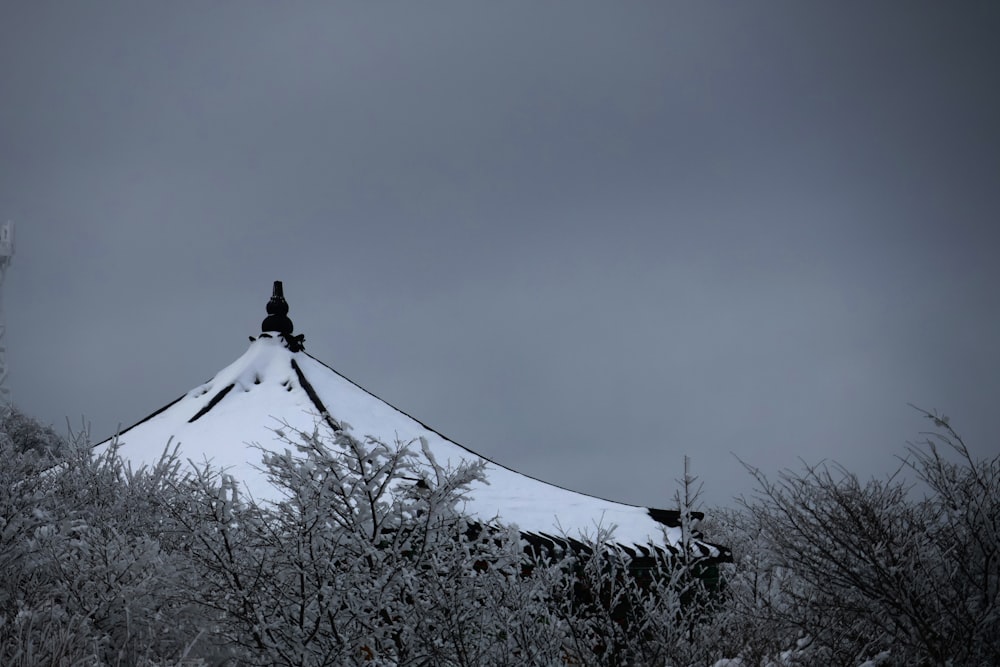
(275, 384)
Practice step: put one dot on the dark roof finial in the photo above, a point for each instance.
(277, 313)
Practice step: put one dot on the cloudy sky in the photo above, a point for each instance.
(585, 240)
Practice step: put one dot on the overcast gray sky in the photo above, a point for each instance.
(582, 239)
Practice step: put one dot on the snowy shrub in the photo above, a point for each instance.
(86, 580)
(366, 560)
(24, 433)
(884, 570)
(747, 622)
(620, 607)
(33, 624)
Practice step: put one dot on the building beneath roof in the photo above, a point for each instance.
(276, 385)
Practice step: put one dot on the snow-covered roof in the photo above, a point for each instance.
(275, 384)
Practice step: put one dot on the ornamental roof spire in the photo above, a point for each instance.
(277, 313)
(277, 323)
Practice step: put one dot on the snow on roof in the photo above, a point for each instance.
(275, 383)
